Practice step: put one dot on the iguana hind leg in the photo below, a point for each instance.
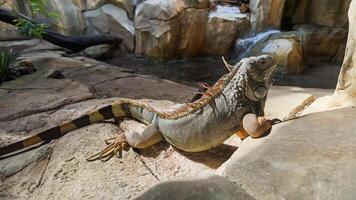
(149, 136)
(141, 138)
(115, 145)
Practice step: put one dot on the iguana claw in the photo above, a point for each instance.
(115, 145)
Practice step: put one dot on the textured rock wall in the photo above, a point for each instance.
(167, 28)
(155, 28)
(347, 78)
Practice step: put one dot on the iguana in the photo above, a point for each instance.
(234, 104)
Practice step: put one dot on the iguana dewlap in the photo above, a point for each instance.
(234, 104)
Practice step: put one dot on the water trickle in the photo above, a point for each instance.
(244, 45)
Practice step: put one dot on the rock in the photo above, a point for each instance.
(127, 5)
(300, 159)
(346, 87)
(54, 74)
(224, 25)
(321, 43)
(8, 33)
(98, 50)
(113, 20)
(157, 29)
(347, 81)
(184, 4)
(19, 46)
(266, 13)
(332, 13)
(41, 94)
(192, 23)
(208, 187)
(70, 20)
(286, 49)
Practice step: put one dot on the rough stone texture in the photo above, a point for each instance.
(157, 29)
(321, 43)
(184, 28)
(192, 23)
(34, 93)
(266, 13)
(113, 20)
(8, 32)
(346, 87)
(347, 75)
(184, 4)
(224, 25)
(300, 159)
(332, 13)
(98, 50)
(127, 5)
(286, 49)
(209, 187)
(18, 46)
(70, 21)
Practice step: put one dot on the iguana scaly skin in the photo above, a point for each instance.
(233, 105)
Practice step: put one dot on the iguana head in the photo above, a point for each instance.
(257, 72)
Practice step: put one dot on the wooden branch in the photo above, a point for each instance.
(73, 43)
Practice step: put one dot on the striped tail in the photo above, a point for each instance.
(107, 112)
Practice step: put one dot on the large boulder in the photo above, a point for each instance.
(224, 25)
(287, 50)
(332, 13)
(312, 157)
(321, 43)
(127, 5)
(207, 187)
(113, 20)
(347, 77)
(185, 28)
(266, 13)
(346, 88)
(9, 32)
(157, 29)
(70, 20)
(192, 23)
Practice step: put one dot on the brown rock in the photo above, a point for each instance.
(331, 13)
(266, 13)
(225, 24)
(321, 43)
(192, 23)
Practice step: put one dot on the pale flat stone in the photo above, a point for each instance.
(283, 102)
(307, 158)
(208, 187)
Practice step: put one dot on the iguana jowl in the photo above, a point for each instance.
(234, 104)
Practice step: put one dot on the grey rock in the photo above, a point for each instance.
(205, 188)
(307, 158)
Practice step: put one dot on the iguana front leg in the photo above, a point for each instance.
(255, 126)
